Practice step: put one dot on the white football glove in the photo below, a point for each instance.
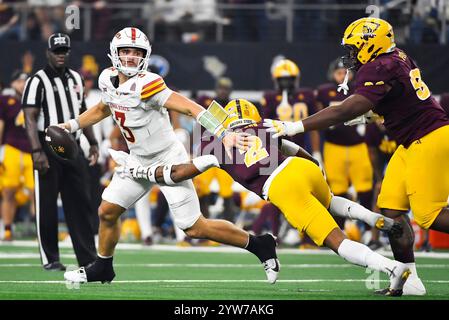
(283, 128)
(128, 166)
(365, 118)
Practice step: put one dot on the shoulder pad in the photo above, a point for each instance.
(149, 84)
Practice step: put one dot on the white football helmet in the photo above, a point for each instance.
(130, 38)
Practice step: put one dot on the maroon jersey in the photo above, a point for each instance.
(302, 105)
(409, 110)
(377, 137)
(340, 134)
(444, 102)
(252, 168)
(14, 132)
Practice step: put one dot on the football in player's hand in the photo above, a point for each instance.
(61, 142)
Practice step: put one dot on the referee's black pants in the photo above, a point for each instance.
(70, 179)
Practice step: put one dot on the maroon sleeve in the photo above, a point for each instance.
(265, 107)
(371, 81)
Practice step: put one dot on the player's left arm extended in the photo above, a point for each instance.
(172, 173)
(350, 108)
(179, 103)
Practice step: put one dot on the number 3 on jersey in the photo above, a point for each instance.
(127, 133)
(255, 153)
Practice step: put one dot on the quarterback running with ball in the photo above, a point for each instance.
(139, 102)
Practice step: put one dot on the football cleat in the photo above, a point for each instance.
(55, 266)
(94, 272)
(272, 267)
(414, 287)
(398, 276)
(7, 236)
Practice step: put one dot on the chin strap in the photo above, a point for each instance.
(344, 85)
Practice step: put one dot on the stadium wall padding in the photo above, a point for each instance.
(248, 64)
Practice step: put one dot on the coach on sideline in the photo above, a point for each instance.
(55, 95)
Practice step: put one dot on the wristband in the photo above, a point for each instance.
(74, 125)
(167, 173)
(152, 174)
(300, 128)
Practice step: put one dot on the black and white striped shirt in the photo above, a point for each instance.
(59, 97)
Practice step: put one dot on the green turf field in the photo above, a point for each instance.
(165, 272)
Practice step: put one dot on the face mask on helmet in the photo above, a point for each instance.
(286, 83)
(128, 63)
(350, 60)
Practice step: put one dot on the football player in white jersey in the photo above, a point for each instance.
(139, 102)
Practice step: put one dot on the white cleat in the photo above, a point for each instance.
(414, 287)
(272, 267)
(398, 276)
(76, 276)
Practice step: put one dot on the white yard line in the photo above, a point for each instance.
(222, 249)
(214, 281)
(232, 266)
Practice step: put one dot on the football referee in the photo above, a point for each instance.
(55, 95)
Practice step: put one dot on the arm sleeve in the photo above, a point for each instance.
(289, 148)
(33, 93)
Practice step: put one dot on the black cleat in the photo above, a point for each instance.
(96, 271)
(389, 292)
(55, 266)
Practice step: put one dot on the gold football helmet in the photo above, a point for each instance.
(366, 39)
(241, 112)
(285, 74)
(285, 68)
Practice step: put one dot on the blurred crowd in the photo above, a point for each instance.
(357, 175)
(415, 21)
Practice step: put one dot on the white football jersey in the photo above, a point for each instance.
(137, 108)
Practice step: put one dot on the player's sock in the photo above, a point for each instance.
(105, 261)
(7, 227)
(264, 246)
(412, 267)
(361, 255)
(342, 207)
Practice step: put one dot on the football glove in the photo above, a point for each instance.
(366, 118)
(283, 128)
(127, 165)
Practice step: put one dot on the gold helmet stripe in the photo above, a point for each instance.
(239, 108)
